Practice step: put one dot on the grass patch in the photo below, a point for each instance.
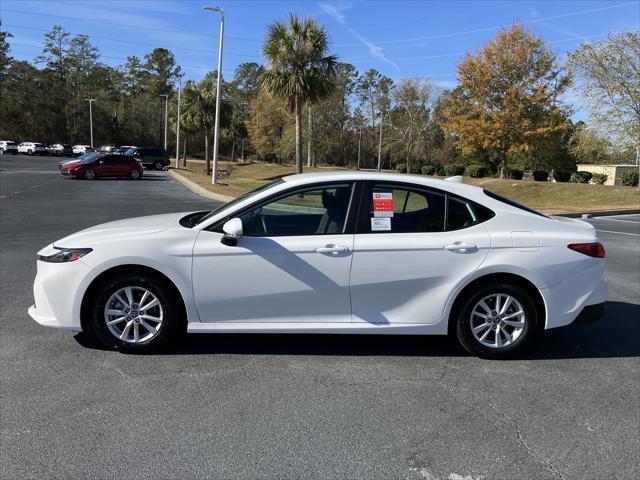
(547, 197)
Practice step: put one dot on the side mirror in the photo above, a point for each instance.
(232, 231)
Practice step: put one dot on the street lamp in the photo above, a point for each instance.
(166, 117)
(91, 100)
(178, 125)
(216, 134)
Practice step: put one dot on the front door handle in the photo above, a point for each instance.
(461, 247)
(332, 249)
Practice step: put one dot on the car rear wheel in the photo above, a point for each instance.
(158, 165)
(89, 174)
(136, 313)
(1, 151)
(496, 321)
(134, 174)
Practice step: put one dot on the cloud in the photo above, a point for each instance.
(374, 49)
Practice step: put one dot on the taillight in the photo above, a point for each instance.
(595, 249)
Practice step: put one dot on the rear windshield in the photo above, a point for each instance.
(511, 203)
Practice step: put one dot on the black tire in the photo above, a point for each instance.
(462, 317)
(158, 165)
(89, 174)
(135, 174)
(58, 153)
(1, 151)
(172, 326)
(29, 152)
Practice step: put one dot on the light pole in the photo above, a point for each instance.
(216, 133)
(166, 116)
(91, 100)
(178, 125)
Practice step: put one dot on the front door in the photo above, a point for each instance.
(292, 263)
(409, 254)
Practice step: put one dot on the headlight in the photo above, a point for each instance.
(65, 255)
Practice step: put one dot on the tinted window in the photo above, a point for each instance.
(459, 214)
(395, 209)
(313, 211)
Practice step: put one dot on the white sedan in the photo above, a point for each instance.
(366, 253)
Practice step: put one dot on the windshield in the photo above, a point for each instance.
(89, 157)
(239, 199)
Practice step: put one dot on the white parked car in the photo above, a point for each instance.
(7, 146)
(31, 148)
(329, 253)
(81, 149)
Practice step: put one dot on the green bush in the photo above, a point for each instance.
(453, 169)
(630, 178)
(582, 176)
(415, 169)
(599, 178)
(401, 168)
(561, 176)
(540, 175)
(475, 171)
(428, 170)
(516, 174)
(440, 171)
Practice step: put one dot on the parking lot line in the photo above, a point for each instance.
(618, 233)
(610, 219)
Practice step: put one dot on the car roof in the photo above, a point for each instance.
(469, 191)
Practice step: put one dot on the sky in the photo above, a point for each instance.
(419, 38)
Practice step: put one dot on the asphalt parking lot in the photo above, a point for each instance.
(299, 406)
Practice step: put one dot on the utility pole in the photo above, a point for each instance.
(166, 116)
(91, 100)
(216, 134)
(178, 125)
(359, 142)
(380, 145)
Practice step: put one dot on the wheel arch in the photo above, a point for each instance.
(501, 277)
(92, 290)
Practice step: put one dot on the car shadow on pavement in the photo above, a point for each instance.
(617, 334)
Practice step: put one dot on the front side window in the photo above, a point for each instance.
(395, 209)
(312, 211)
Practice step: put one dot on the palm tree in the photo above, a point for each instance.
(299, 70)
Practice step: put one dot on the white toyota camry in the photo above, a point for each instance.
(365, 253)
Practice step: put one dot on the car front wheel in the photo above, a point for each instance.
(29, 152)
(496, 321)
(89, 174)
(136, 313)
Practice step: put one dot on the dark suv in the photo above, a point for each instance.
(150, 156)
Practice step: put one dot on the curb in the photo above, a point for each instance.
(195, 188)
(598, 213)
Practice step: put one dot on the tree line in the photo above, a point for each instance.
(307, 106)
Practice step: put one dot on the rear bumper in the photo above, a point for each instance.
(590, 314)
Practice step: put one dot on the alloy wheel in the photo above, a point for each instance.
(133, 314)
(497, 320)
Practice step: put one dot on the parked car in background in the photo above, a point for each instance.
(81, 149)
(122, 150)
(59, 149)
(151, 157)
(363, 253)
(98, 164)
(7, 146)
(31, 148)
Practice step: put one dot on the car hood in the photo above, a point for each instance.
(130, 228)
(71, 164)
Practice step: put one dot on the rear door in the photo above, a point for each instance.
(412, 248)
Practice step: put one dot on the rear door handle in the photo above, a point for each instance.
(461, 247)
(332, 249)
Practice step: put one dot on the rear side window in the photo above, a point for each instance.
(511, 203)
(394, 209)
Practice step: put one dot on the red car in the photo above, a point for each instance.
(96, 165)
